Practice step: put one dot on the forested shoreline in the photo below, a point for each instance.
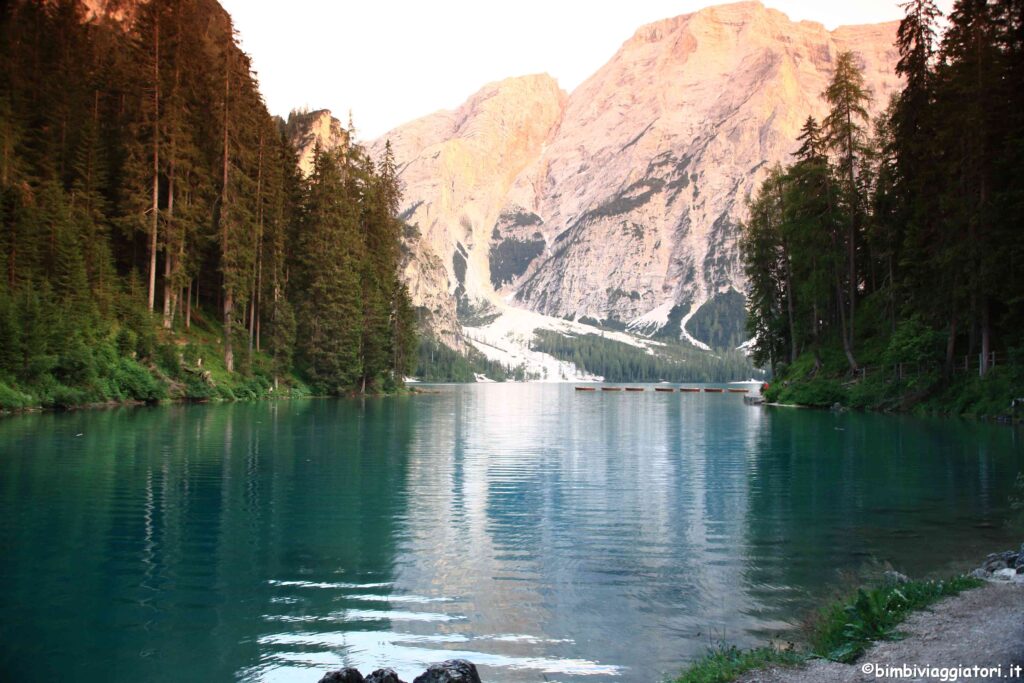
(158, 240)
(886, 263)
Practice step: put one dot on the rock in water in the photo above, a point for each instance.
(452, 671)
(346, 675)
(384, 676)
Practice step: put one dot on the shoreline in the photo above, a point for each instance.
(924, 623)
(134, 403)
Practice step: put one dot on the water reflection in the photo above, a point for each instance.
(542, 534)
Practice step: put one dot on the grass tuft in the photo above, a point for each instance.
(726, 663)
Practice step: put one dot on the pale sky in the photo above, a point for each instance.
(391, 61)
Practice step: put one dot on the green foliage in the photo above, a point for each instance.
(437, 362)
(899, 243)
(723, 664)
(139, 163)
(969, 394)
(722, 321)
(620, 362)
(820, 392)
(844, 630)
(12, 399)
(914, 342)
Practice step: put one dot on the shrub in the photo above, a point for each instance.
(12, 399)
(845, 629)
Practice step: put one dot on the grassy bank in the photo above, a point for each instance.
(841, 631)
(901, 369)
(137, 361)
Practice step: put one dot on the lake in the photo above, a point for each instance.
(542, 533)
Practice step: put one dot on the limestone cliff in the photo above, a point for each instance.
(620, 201)
(457, 169)
(306, 129)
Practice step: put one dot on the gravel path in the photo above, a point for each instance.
(983, 627)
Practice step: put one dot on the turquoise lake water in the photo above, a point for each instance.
(542, 533)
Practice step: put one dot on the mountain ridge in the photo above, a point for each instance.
(619, 201)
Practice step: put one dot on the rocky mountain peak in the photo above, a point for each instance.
(620, 201)
(306, 129)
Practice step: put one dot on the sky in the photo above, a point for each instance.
(391, 61)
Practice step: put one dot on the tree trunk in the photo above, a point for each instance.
(169, 265)
(851, 246)
(155, 208)
(171, 262)
(951, 343)
(986, 337)
(789, 310)
(229, 302)
(188, 306)
(253, 313)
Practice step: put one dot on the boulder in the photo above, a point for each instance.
(384, 676)
(452, 671)
(981, 574)
(894, 577)
(997, 561)
(346, 675)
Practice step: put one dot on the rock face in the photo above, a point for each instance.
(620, 201)
(458, 168)
(305, 130)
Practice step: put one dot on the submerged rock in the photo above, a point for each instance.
(452, 671)
(384, 676)
(346, 675)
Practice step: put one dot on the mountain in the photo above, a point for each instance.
(620, 202)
